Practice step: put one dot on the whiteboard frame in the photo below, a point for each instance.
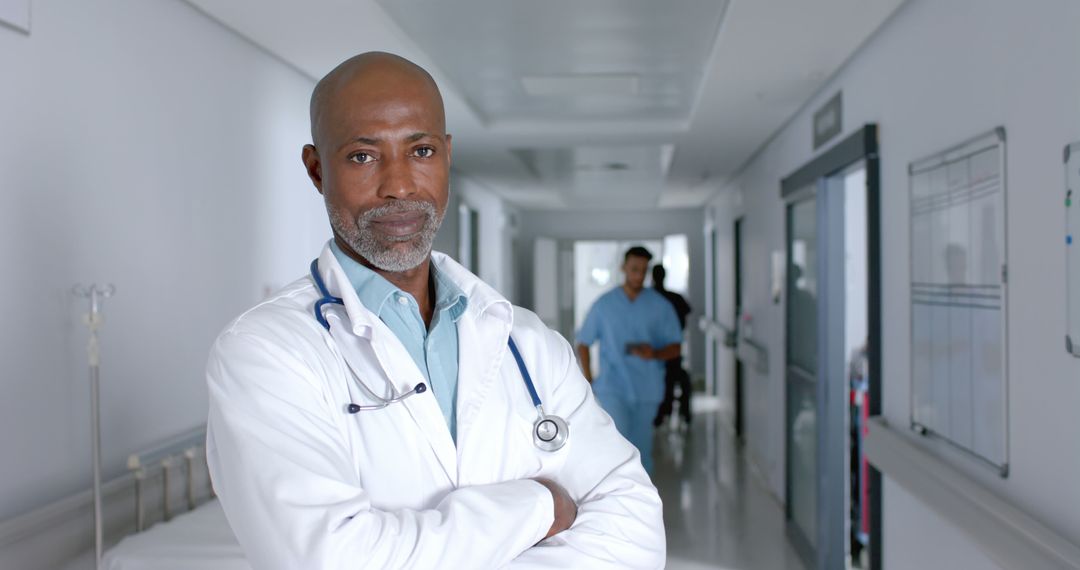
(1072, 344)
(15, 14)
(995, 137)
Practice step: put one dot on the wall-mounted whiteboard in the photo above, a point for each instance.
(1072, 248)
(959, 384)
(16, 13)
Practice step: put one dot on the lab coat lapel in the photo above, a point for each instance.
(428, 417)
(482, 334)
(483, 347)
(396, 365)
(393, 359)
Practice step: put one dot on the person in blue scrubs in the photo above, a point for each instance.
(638, 331)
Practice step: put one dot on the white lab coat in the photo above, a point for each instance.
(306, 485)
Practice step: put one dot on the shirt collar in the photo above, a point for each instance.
(448, 296)
(374, 290)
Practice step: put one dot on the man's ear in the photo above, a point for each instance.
(313, 165)
(449, 148)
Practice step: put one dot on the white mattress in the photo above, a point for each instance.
(200, 539)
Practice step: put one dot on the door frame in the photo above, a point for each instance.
(712, 306)
(862, 145)
(738, 369)
(798, 373)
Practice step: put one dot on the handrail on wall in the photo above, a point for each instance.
(758, 352)
(1008, 535)
(759, 355)
(717, 329)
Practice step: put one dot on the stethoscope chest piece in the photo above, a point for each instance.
(550, 432)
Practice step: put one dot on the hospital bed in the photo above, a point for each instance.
(185, 527)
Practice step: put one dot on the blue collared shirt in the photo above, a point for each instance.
(615, 321)
(434, 350)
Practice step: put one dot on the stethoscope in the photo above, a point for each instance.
(549, 432)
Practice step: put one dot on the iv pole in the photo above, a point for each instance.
(93, 320)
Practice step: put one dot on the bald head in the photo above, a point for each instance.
(381, 160)
(372, 76)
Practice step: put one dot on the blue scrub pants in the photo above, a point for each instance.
(634, 420)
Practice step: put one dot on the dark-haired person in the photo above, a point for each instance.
(638, 331)
(674, 375)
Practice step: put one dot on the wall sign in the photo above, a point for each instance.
(1072, 248)
(828, 120)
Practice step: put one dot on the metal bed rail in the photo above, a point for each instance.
(184, 455)
(160, 483)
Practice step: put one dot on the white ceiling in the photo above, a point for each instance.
(601, 103)
(594, 60)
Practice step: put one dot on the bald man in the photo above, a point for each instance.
(391, 410)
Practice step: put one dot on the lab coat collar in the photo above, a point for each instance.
(483, 300)
(361, 320)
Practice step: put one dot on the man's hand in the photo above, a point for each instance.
(583, 360)
(565, 508)
(643, 350)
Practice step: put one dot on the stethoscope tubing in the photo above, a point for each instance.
(525, 375)
(543, 436)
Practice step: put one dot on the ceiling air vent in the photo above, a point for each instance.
(581, 84)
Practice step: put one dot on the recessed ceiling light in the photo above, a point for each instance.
(583, 167)
(581, 84)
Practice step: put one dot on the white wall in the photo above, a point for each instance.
(497, 233)
(447, 240)
(937, 74)
(144, 145)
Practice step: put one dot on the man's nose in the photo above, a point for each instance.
(397, 180)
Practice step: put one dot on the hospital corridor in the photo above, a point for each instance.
(683, 284)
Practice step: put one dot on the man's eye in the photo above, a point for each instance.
(361, 158)
(425, 152)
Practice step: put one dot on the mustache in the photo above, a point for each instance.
(397, 207)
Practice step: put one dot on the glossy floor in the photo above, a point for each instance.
(718, 512)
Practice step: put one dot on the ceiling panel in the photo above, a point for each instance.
(697, 85)
(595, 60)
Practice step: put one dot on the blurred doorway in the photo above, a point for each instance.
(597, 270)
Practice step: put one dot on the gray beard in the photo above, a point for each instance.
(388, 253)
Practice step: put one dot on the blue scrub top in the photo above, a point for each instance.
(615, 321)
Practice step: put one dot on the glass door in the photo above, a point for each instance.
(832, 356)
(850, 380)
(826, 369)
(801, 370)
